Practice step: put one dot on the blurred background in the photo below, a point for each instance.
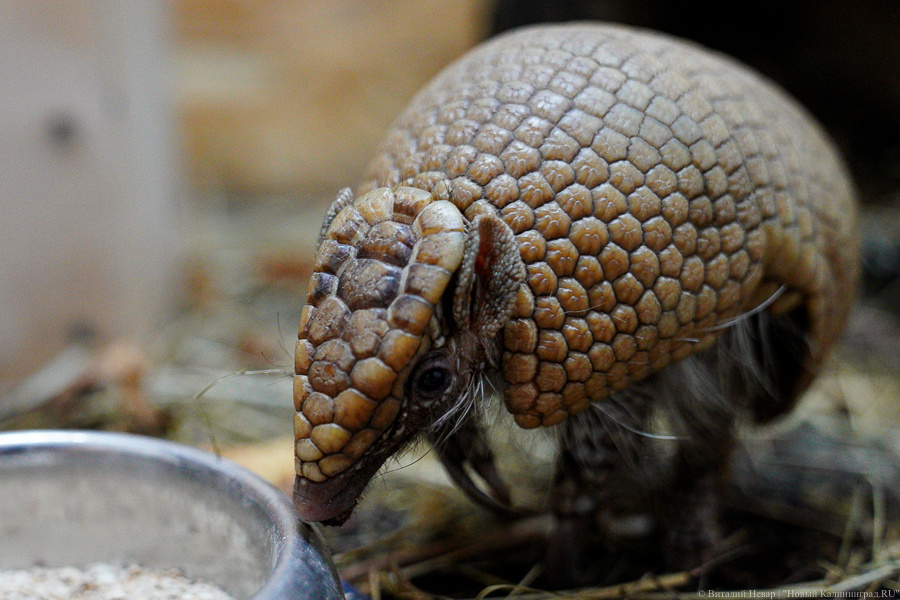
(165, 165)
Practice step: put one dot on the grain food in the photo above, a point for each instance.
(102, 581)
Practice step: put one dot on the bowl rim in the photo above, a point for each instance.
(302, 567)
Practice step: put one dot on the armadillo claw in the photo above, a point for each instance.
(458, 445)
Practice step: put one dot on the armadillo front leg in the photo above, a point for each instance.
(581, 500)
(628, 457)
(463, 444)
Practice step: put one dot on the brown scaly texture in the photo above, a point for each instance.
(383, 263)
(656, 191)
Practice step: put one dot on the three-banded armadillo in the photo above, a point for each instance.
(624, 229)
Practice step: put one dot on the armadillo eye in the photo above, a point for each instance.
(431, 378)
(433, 382)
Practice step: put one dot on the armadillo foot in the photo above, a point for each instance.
(691, 525)
(576, 555)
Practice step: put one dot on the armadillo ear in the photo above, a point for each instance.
(489, 277)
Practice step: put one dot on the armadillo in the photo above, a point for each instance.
(637, 241)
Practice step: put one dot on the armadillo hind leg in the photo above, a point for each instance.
(652, 459)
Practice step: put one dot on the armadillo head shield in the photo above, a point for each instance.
(374, 308)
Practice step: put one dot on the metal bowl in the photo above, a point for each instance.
(72, 498)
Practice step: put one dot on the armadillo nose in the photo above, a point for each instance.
(330, 502)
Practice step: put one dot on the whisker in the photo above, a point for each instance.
(645, 434)
(287, 353)
(213, 442)
(428, 450)
(755, 311)
(461, 409)
(491, 385)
